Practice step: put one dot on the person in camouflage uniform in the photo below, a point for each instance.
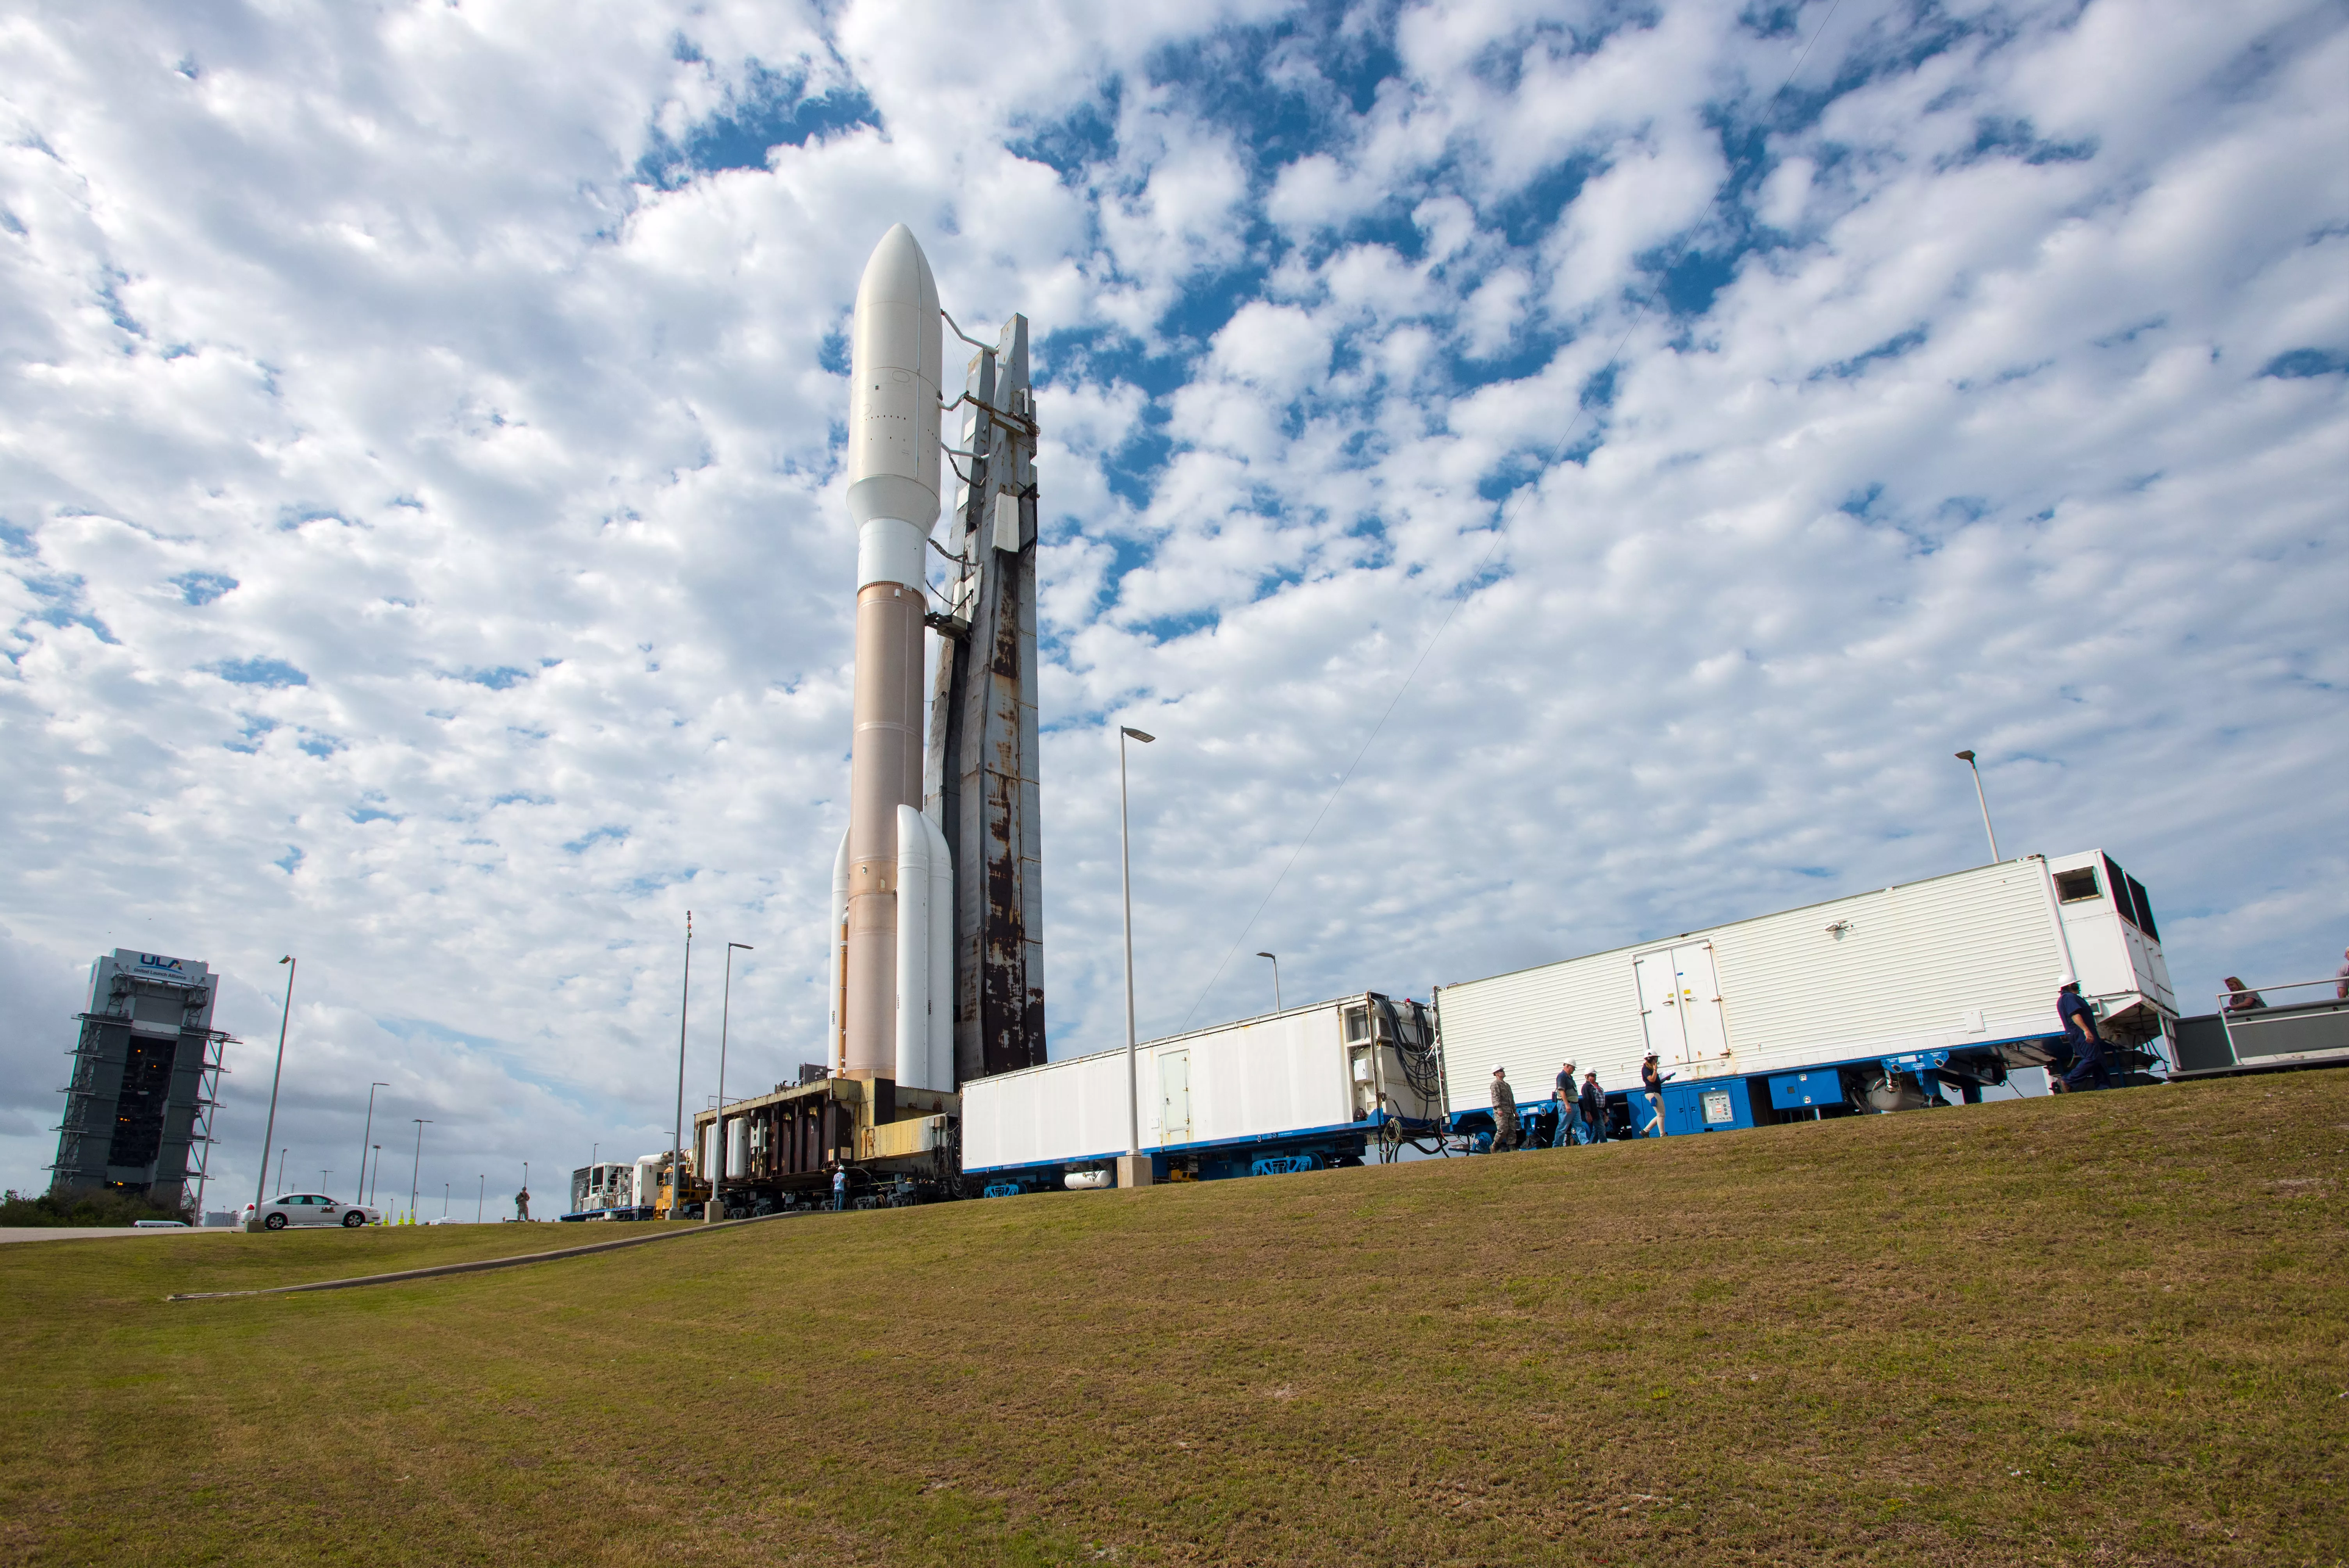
(1505, 1113)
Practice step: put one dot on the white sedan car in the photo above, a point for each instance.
(313, 1209)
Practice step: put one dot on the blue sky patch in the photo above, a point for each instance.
(258, 672)
(255, 729)
(2301, 362)
(203, 587)
(772, 109)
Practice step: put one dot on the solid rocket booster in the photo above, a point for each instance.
(896, 363)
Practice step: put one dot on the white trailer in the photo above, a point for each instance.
(1869, 1002)
(1312, 1085)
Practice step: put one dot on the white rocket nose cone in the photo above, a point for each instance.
(896, 360)
(896, 272)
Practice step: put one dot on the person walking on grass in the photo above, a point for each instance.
(522, 1204)
(1505, 1111)
(1594, 1109)
(2087, 1045)
(1565, 1117)
(1652, 1084)
(839, 1188)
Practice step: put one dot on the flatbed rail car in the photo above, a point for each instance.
(1335, 1083)
(1869, 1003)
(2298, 1024)
(899, 1145)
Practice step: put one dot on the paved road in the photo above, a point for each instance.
(76, 1232)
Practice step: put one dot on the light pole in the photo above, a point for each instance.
(725, 1014)
(323, 1173)
(677, 1137)
(444, 1200)
(1133, 1171)
(280, 1167)
(365, 1135)
(481, 1198)
(269, 1131)
(1276, 979)
(1967, 758)
(377, 1177)
(421, 1123)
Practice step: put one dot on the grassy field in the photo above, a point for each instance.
(2107, 1328)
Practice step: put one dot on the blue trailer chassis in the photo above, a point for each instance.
(1266, 1154)
(1834, 1087)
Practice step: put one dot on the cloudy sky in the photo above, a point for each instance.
(1629, 446)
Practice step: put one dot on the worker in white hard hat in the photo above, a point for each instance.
(2086, 1040)
(1652, 1084)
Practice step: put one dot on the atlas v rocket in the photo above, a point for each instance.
(936, 958)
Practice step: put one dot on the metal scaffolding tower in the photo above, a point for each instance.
(979, 778)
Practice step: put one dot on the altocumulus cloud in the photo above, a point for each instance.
(421, 550)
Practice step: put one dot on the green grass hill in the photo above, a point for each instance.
(2108, 1328)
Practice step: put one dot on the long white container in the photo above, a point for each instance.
(1324, 1069)
(1971, 960)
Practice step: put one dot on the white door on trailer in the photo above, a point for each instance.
(1174, 1097)
(1660, 1004)
(1704, 1031)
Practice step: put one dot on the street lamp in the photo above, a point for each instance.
(1133, 1171)
(377, 1177)
(1276, 979)
(716, 1204)
(280, 1167)
(365, 1135)
(1967, 758)
(444, 1200)
(482, 1197)
(269, 1130)
(677, 1137)
(421, 1123)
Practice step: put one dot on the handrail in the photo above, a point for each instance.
(2287, 986)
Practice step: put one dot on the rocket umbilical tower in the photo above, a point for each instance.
(938, 964)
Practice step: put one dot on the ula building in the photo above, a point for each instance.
(146, 1079)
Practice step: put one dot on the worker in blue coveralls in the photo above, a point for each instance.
(1565, 1089)
(2087, 1047)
